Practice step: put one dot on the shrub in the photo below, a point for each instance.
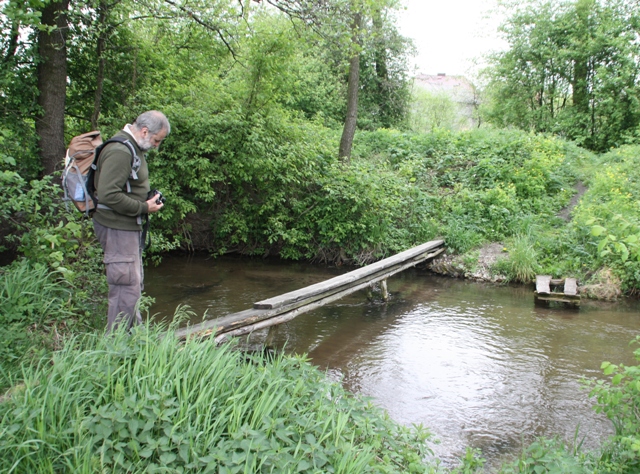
(607, 220)
(547, 456)
(56, 284)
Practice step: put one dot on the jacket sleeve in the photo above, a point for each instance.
(115, 170)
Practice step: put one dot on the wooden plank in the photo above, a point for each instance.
(288, 315)
(570, 287)
(348, 278)
(249, 320)
(542, 284)
(560, 298)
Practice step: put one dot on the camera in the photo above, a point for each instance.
(160, 199)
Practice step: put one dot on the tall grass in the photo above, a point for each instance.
(146, 403)
(33, 306)
(522, 263)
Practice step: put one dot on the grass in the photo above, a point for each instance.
(522, 263)
(34, 310)
(146, 403)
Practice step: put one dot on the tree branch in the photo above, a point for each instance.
(194, 16)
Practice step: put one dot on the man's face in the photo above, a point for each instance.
(149, 141)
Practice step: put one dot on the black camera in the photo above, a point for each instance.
(160, 199)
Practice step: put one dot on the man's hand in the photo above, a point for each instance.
(153, 205)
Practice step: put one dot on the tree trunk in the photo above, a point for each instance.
(382, 73)
(100, 48)
(580, 79)
(579, 86)
(52, 85)
(349, 130)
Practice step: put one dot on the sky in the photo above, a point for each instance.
(449, 34)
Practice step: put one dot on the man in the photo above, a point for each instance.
(122, 183)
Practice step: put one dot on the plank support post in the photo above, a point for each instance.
(369, 293)
(385, 291)
(271, 335)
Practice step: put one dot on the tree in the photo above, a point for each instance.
(361, 33)
(571, 69)
(430, 111)
(353, 83)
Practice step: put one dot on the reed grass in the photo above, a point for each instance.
(146, 403)
(522, 263)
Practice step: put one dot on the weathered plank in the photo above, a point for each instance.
(570, 287)
(560, 298)
(249, 320)
(348, 278)
(290, 312)
(542, 284)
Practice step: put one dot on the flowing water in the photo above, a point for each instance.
(480, 365)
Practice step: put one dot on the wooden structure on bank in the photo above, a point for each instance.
(280, 309)
(566, 290)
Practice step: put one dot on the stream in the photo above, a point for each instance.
(480, 365)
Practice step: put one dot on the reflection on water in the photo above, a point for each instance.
(480, 365)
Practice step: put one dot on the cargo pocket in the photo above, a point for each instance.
(120, 269)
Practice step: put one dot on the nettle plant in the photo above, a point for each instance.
(620, 239)
(619, 400)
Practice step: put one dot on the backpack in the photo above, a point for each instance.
(81, 162)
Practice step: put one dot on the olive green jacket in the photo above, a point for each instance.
(113, 171)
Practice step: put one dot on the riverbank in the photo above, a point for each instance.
(480, 265)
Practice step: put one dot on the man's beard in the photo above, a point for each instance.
(145, 144)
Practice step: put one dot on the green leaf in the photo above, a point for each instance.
(146, 452)
(167, 458)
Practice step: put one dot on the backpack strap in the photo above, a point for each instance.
(136, 162)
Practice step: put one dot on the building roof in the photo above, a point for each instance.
(457, 87)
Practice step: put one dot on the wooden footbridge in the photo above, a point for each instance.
(280, 309)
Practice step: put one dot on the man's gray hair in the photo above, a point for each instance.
(154, 120)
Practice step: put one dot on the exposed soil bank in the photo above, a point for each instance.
(461, 267)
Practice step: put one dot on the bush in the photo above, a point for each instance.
(271, 184)
(56, 285)
(607, 219)
(548, 456)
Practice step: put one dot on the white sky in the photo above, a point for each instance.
(449, 34)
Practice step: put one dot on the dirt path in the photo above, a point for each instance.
(566, 212)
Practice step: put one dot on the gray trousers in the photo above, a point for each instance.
(125, 275)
